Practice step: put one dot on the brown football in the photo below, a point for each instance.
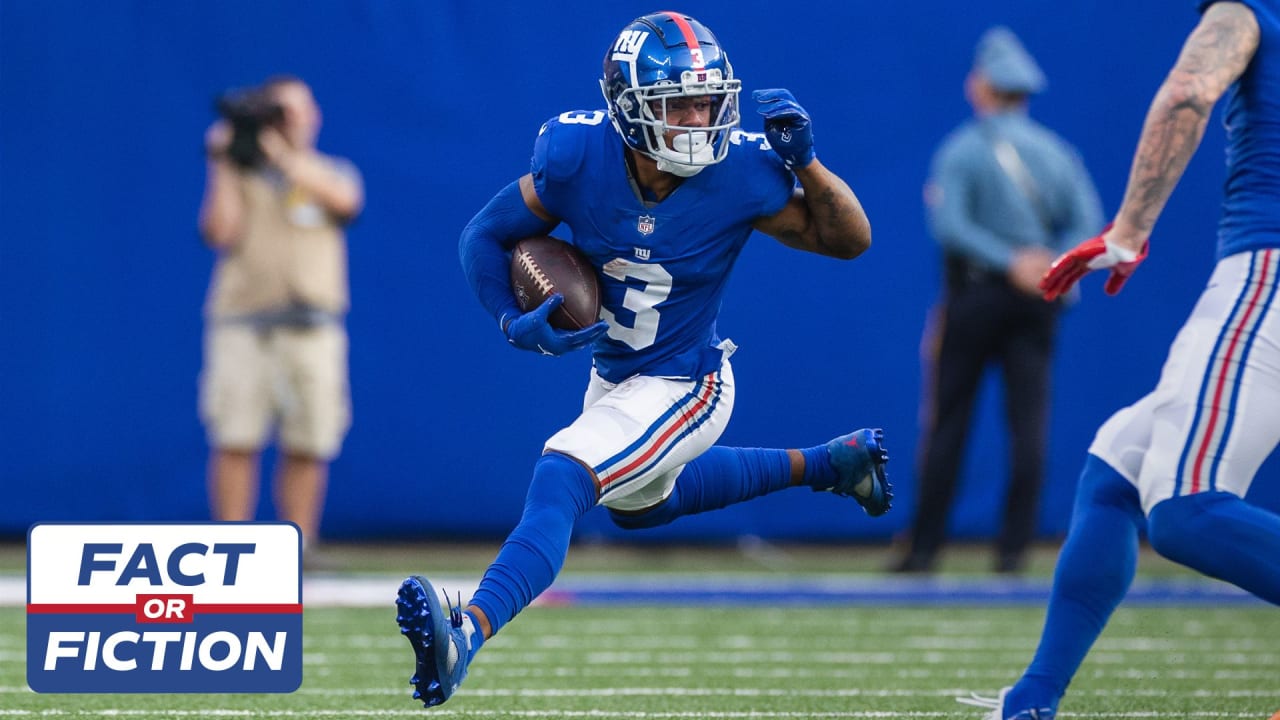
(542, 266)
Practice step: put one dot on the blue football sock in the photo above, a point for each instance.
(718, 478)
(561, 492)
(818, 471)
(1094, 571)
(1223, 537)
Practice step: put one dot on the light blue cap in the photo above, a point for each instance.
(1006, 64)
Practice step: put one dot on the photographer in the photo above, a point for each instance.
(275, 339)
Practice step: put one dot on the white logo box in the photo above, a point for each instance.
(62, 572)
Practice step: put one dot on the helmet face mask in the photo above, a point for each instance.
(665, 68)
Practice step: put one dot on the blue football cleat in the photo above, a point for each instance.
(859, 458)
(999, 712)
(442, 647)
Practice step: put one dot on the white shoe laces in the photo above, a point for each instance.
(994, 704)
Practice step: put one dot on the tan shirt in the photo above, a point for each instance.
(292, 252)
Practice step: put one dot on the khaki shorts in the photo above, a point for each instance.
(296, 378)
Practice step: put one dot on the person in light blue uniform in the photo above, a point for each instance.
(1005, 195)
(661, 191)
(1183, 457)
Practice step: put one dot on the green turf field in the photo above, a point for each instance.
(722, 661)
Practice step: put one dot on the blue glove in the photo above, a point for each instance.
(787, 126)
(531, 331)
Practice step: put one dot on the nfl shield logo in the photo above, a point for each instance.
(645, 226)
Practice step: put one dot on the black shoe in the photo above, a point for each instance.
(1008, 564)
(913, 563)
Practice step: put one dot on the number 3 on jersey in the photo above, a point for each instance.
(582, 117)
(642, 301)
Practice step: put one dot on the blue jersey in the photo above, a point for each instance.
(663, 267)
(1250, 211)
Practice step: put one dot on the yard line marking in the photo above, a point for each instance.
(593, 714)
(437, 711)
(741, 692)
(756, 692)
(746, 590)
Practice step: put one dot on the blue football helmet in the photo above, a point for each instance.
(663, 57)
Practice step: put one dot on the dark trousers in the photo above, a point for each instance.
(984, 320)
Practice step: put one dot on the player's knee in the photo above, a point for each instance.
(1102, 485)
(1176, 528)
(558, 479)
(656, 516)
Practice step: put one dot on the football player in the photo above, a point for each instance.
(1185, 455)
(661, 190)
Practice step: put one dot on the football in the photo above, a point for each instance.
(542, 266)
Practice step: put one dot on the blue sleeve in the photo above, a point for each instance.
(485, 247)
(760, 177)
(951, 184)
(1202, 5)
(779, 186)
(558, 155)
(1257, 6)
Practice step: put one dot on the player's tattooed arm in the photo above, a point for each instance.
(1214, 56)
(823, 217)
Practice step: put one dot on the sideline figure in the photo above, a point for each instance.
(275, 209)
(1005, 196)
(661, 191)
(1186, 454)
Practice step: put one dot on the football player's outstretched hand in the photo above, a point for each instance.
(787, 126)
(1096, 253)
(531, 331)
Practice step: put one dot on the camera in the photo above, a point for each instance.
(249, 110)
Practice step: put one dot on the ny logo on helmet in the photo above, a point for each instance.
(629, 43)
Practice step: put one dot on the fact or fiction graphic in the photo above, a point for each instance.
(163, 607)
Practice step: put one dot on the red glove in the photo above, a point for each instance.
(1092, 254)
